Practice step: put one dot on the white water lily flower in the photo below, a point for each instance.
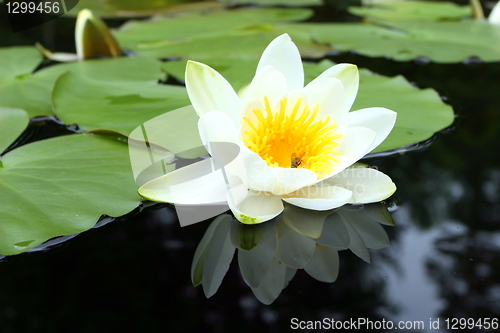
(296, 143)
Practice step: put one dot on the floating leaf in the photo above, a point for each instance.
(118, 94)
(12, 123)
(421, 112)
(62, 186)
(427, 11)
(22, 89)
(241, 33)
(289, 3)
(134, 8)
(444, 42)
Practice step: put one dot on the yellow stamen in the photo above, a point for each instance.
(294, 140)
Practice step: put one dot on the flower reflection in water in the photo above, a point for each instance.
(269, 254)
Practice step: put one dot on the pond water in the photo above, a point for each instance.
(133, 273)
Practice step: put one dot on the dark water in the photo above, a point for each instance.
(133, 274)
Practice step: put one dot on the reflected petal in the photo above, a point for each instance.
(372, 233)
(199, 255)
(255, 263)
(292, 248)
(334, 233)
(356, 244)
(218, 255)
(324, 264)
(306, 222)
(379, 212)
(272, 283)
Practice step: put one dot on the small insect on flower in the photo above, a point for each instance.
(296, 161)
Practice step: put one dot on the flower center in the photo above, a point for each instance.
(293, 140)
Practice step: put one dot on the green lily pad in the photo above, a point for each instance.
(421, 112)
(444, 42)
(426, 11)
(19, 87)
(22, 89)
(242, 34)
(12, 123)
(61, 186)
(116, 94)
(143, 8)
(288, 3)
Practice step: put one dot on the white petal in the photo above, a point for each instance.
(258, 175)
(328, 93)
(349, 76)
(284, 56)
(380, 120)
(324, 264)
(195, 184)
(494, 17)
(216, 126)
(267, 82)
(289, 180)
(319, 198)
(256, 207)
(355, 144)
(367, 185)
(209, 91)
